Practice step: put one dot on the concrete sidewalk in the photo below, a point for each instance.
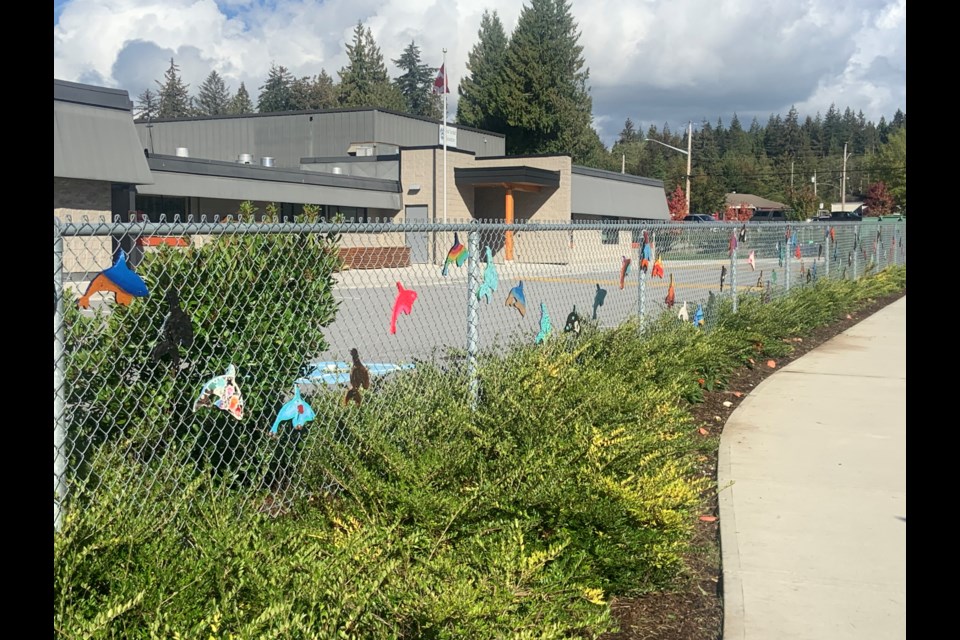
(813, 498)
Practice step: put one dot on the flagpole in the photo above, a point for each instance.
(444, 125)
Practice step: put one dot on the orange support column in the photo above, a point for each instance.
(508, 209)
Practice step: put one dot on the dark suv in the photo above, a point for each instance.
(769, 216)
(698, 217)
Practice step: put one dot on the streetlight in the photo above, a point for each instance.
(687, 153)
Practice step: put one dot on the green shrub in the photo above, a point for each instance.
(256, 301)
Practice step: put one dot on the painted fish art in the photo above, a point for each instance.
(671, 294)
(296, 411)
(624, 269)
(120, 280)
(517, 299)
(573, 322)
(456, 255)
(402, 304)
(657, 271)
(491, 280)
(545, 327)
(222, 392)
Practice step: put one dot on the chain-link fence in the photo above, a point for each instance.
(242, 348)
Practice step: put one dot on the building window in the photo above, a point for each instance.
(610, 236)
(153, 206)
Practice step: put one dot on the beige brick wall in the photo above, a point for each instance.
(73, 200)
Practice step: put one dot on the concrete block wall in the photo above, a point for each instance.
(73, 199)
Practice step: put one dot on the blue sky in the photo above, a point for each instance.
(656, 62)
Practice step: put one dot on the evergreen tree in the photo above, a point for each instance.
(479, 104)
(214, 98)
(174, 97)
(314, 93)
(241, 103)
(364, 82)
(546, 102)
(275, 94)
(416, 84)
(629, 133)
(148, 105)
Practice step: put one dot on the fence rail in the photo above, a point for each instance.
(244, 347)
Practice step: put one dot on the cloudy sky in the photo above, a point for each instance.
(654, 61)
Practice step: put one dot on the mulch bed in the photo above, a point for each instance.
(694, 611)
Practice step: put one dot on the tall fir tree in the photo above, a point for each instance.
(364, 81)
(314, 93)
(416, 84)
(174, 95)
(241, 103)
(275, 94)
(546, 102)
(479, 89)
(214, 98)
(148, 105)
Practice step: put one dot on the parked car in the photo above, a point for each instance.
(845, 216)
(769, 216)
(698, 217)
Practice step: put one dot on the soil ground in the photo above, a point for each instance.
(694, 610)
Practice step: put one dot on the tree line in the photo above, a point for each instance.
(532, 86)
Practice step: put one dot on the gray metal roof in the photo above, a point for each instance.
(96, 142)
(605, 193)
(193, 177)
(737, 199)
(91, 95)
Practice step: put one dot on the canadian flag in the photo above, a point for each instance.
(440, 85)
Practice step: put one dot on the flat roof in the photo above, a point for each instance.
(519, 174)
(91, 95)
(194, 177)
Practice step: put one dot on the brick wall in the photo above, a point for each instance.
(375, 257)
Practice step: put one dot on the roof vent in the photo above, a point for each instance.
(245, 158)
(266, 161)
(183, 152)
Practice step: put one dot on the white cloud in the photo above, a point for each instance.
(653, 61)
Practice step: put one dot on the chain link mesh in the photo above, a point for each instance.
(239, 358)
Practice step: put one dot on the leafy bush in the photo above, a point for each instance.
(256, 301)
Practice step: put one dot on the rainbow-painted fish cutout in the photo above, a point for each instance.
(624, 269)
(120, 280)
(457, 254)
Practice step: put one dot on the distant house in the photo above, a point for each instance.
(739, 202)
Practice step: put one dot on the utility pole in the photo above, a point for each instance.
(843, 182)
(623, 163)
(689, 156)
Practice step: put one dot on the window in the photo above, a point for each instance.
(610, 236)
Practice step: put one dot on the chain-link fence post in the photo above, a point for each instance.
(733, 273)
(472, 302)
(877, 249)
(826, 243)
(642, 293)
(896, 233)
(59, 383)
(856, 248)
(787, 236)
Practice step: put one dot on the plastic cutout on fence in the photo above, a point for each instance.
(698, 316)
(657, 271)
(742, 235)
(359, 379)
(819, 251)
(456, 255)
(296, 410)
(546, 328)
(683, 315)
(573, 322)
(723, 276)
(598, 298)
(813, 269)
(752, 260)
(402, 304)
(222, 392)
(490, 279)
(624, 269)
(646, 253)
(671, 294)
(796, 252)
(517, 299)
(120, 280)
(175, 332)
